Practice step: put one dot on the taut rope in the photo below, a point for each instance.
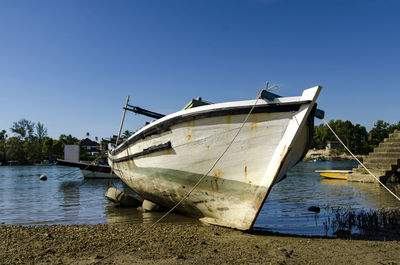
(191, 190)
(397, 197)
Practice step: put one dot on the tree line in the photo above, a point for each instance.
(30, 143)
(355, 137)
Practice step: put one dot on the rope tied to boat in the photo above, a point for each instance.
(375, 177)
(194, 187)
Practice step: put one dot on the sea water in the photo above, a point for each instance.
(67, 198)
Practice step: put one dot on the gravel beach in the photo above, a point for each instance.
(170, 243)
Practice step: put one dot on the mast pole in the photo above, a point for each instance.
(122, 121)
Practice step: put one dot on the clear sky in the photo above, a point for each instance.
(71, 64)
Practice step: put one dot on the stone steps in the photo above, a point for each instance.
(378, 165)
(387, 149)
(361, 175)
(378, 155)
(391, 140)
(388, 145)
(376, 172)
(383, 162)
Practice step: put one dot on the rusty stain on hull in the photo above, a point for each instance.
(226, 196)
(218, 173)
(228, 121)
(190, 126)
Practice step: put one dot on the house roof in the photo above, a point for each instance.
(87, 142)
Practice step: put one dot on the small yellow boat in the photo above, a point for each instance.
(334, 174)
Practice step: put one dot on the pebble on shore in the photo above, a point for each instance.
(189, 243)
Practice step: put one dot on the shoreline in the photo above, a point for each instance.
(332, 155)
(169, 243)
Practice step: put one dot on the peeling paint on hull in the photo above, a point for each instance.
(213, 198)
(233, 193)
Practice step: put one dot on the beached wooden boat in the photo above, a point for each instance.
(90, 171)
(163, 160)
(334, 174)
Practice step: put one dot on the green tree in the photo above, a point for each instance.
(58, 148)
(355, 137)
(24, 129)
(3, 137)
(359, 140)
(3, 134)
(68, 139)
(47, 147)
(32, 152)
(394, 127)
(321, 136)
(41, 132)
(379, 132)
(15, 149)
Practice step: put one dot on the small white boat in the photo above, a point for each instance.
(163, 160)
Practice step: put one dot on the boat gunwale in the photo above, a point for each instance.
(333, 171)
(222, 109)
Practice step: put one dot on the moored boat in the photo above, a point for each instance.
(163, 160)
(334, 174)
(90, 171)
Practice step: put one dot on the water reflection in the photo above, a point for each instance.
(70, 203)
(286, 209)
(117, 215)
(67, 198)
(369, 195)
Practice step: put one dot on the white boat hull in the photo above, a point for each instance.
(162, 167)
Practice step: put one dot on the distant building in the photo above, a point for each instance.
(71, 152)
(91, 147)
(333, 145)
(112, 140)
(105, 141)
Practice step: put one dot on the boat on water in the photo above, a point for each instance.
(163, 160)
(90, 171)
(334, 174)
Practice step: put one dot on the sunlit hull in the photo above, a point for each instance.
(165, 159)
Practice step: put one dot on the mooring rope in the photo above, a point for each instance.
(397, 197)
(192, 189)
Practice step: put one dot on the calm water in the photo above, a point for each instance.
(67, 198)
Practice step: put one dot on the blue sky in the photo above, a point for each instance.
(71, 64)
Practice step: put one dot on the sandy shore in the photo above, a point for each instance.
(185, 244)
